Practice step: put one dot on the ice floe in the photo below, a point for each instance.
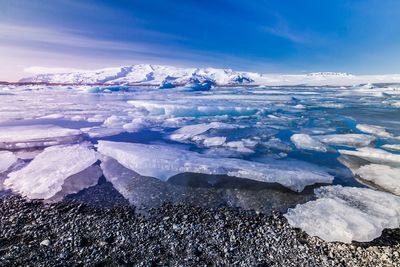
(7, 159)
(352, 140)
(347, 214)
(46, 174)
(304, 141)
(393, 147)
(190, 131)
(16, 137)
(374, 155)
(163, 162)
(374, 130)
(385, 177)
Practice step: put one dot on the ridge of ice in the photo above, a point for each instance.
(346, 214)
(45, 175)
(163, 162)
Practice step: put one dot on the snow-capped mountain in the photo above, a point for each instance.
(168, 77)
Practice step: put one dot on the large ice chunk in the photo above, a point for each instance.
(163, 162)
(393, 147)
(374, 130)
(352, 140)
(45, 175)
(7, 159)
(304, 141)
(374, 155)
(15, 137)
(190, 131)
(347, 213)
(384, 176)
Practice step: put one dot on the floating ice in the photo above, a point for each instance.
(383, 176)
(374, 130)
(164, 162)
(353, 140)
(214, 141)
(394, 147)
(347, 214)
(7, 159)
(190, 131)
(304, 141)
(45, 175)
(14, 137)
(374, 155)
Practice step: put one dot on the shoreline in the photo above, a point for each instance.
(73, 234)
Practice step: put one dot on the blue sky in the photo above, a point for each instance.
(357, 36)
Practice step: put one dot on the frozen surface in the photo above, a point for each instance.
(7, 159)
(384, 176)
(14, 137)
(393, 147)
(304, 141)
(45, 175)
(347, 214)
(164, 162)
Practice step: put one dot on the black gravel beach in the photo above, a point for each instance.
(74, 234)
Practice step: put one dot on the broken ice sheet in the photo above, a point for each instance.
(347, 214)
(7, 159)
(46, 174)
(163, 162)
(17, 137)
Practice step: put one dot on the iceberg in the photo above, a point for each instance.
(304, 141)
(7, 159)
(46, 174)
(17, 137)
(346, 214)
(163, 162)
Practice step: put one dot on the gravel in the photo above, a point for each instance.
(73, 234)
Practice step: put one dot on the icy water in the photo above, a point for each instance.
(285, 142)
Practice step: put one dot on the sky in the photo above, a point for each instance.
(281, 36)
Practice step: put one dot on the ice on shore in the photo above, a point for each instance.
(16, 137)
(385, 177)
(304, 141)
(7, 159)
(46, 174)
(352, 140)
(163, 162)
(346, 214)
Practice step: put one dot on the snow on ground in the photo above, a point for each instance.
(46, 174)
(163, 162)
(304, 141)
(158, 75)
(14, 137)
(7, 159)
(347, 214)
